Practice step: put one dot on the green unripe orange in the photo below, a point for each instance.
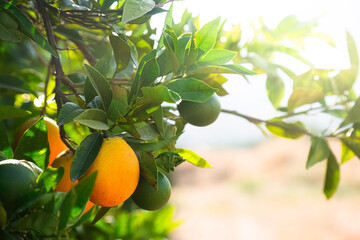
(200, 114)
(146, 197)
(17, 179)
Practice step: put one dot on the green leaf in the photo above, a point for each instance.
(332, 176)
(214, 57)
(100, 214)
(27, 27)
(9, 28)
(286, 130)
(152, 146)
(137, 81)
(121, 50)
(275, 89)
(50, 178)
(136, 8)
(157, 94)
(65, 210)
(101, 86)
(14, 83)
(147, 131)
(353, 114)
(93, 118)
(85, 155)
(191, 89)
(168, 161)
(229, 68)
(193, 158)
(148, 168)
(353, 144)
(159, 120)
(82, 191)
(7, 112)
(168, 42)
(44, 223)
(150, 72)
(353, 53)
(117, 111)
(39, 152)
(206, 36)
(346, 153)
(302, 96)
(319, 151)
(68, 112)
(4, 141)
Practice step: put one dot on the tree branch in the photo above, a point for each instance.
(270, 123)
(60, 76)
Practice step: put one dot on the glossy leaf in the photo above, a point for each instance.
(117, 111)
(16, 84)
(214, 57)
(39, 152)
(302, 96)
(159, 120)
(157, 94)
(137, 81)
(5, 147)
(27, 27)
(7, 112)
(85, 155)
(168, 161)
(50, 178)
(275, 89)
(319, 151)
(9, 28)
(68, 112)
(286, 130)
(229, 68)
(148, 168)
(191, 89)
(82, 192)
(42, 222)
(332, 176)
(101, 86)
(353, 114)
(206, 36)
(193, 158)
(136, 8)
(346, 153)
(121, 50)
(150, 72)
(353, 144)
(93, 118)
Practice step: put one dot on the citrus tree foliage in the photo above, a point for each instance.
(101, 70)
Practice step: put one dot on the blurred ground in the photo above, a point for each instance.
(265, 192)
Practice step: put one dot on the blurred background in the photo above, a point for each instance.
(258, 187)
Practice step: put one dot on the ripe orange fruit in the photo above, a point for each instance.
(146, 197)
(200, 114)
(89, 205)
(56, 145)
(17, 179)
(118, 173)
(64, 160)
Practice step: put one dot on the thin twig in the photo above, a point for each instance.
(59, 73)
(86, 53)
(43, 112)
(269, 123)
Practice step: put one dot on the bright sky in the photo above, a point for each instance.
(334, 18)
